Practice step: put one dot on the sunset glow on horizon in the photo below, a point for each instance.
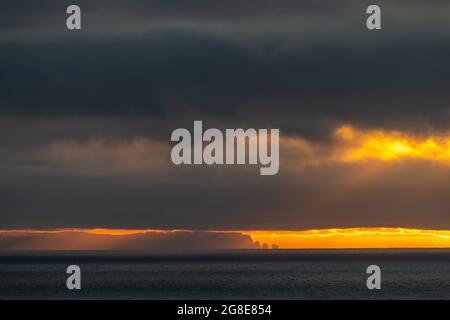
(96, 231)
(354, 238)
(339, 238)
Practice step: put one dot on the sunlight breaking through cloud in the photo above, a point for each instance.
(363, 145)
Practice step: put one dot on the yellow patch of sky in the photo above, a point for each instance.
(362, 145)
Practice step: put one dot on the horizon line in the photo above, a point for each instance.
(327, 238)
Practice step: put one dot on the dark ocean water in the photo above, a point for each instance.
(277, 274)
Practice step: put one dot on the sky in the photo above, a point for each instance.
(86, 116)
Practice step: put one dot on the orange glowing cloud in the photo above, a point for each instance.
(361, 145)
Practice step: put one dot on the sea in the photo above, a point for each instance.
(230, 275)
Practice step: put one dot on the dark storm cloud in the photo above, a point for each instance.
(159, 71)
(315, 62)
